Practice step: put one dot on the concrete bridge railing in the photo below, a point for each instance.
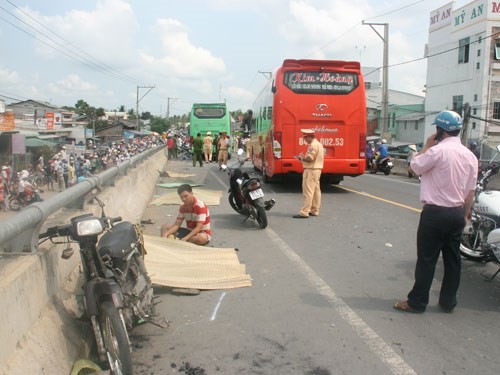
(38, 289)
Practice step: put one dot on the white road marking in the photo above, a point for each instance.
(387, 355)
(214, 314)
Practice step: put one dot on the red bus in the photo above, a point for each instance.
(324, 95)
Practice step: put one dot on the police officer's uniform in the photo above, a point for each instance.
(311, 176)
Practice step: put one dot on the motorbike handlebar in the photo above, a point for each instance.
(58, 230)
(115, 219)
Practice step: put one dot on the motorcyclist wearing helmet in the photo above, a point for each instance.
(24, 187)
(381, 154)
(474, 149)
(448, 172)
(369, 152)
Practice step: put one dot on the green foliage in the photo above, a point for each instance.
(131, 114)
(159, 124)
(146, 116)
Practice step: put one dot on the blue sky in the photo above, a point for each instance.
(194, 50)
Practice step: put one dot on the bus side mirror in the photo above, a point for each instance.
(273, 88)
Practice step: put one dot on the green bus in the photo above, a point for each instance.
(209, 117)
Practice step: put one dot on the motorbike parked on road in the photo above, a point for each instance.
(245, 194)
(481, 236)
(118, 293)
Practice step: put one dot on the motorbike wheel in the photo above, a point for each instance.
(39, 181)
(14, 204)
(261, 216)
(387, 171)
(235, 205)
(469, 251)
(115, 339)
(138, 290)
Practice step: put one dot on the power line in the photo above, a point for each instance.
(89, 61)
(359, 22)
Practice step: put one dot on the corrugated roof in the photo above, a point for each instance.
(37, 142)
(411, 117)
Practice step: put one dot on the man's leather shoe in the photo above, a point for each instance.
(405, 307)
(300, 217)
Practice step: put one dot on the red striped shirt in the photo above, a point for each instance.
(198, 214)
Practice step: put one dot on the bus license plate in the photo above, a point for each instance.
(255, 194)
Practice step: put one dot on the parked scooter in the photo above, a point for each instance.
(481, 236)
(118, 293)
(245, 194)
(385, 165)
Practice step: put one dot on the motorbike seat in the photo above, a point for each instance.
(118, 241)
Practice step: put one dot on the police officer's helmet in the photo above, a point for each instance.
(384, 141)
(448, 120)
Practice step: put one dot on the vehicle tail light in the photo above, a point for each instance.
(277, 144)
(362, 145)
(254, 185)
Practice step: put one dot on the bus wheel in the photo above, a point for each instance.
(265, 177)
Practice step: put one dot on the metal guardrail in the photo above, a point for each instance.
(19, 234)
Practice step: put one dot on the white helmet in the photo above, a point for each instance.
(384, 141)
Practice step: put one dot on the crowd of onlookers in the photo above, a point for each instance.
(65, 169)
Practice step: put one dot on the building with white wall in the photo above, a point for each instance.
(463, 65)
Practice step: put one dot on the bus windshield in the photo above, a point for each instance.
(209, 112)
(324, 83)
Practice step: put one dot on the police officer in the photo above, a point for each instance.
(448, 172)
(312, 162)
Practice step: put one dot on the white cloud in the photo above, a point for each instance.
(106, 33)
(178, 56)
(72, 87)
(8, 76)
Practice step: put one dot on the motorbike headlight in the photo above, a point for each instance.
(89, 227)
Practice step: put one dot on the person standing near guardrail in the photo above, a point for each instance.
(3, 197)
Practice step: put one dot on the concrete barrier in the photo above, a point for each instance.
(39, 291)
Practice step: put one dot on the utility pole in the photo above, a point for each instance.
(168, 106)
(138, 100)
(385, 79)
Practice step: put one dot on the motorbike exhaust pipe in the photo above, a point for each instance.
(269, 204)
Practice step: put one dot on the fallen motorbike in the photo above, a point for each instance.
(32, 195)
(385, 165)
(481, 236)
(118, 293)
(245, 194)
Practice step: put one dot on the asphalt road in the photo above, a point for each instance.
(322, 293)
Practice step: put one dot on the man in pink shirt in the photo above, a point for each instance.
(448, 173)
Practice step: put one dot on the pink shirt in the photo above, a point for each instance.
(448, 172)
